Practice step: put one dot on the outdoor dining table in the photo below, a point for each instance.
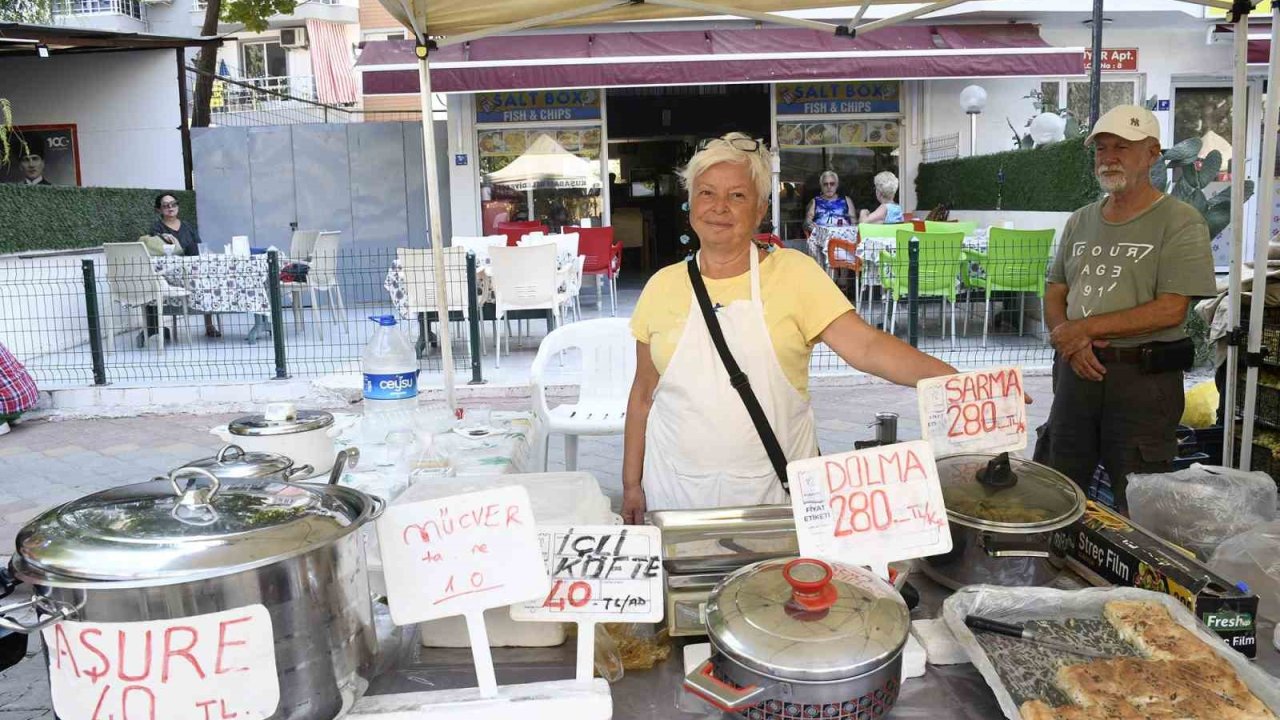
(395, 282)
(869, 250)
(222, 283)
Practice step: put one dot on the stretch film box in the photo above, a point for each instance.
(1108, 549)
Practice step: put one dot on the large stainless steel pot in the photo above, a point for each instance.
(1002, 510)
(190, 546)
(801, 638)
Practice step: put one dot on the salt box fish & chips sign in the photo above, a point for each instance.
(607, 573)
(870, 507)
(980, 411)
(838, 98)
(205, 667)
(538, 106)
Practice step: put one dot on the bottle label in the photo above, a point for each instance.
(391, 386)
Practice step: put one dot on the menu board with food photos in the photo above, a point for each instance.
(839, 133)
(499, 147)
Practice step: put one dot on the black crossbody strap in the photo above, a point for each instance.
(738, 379)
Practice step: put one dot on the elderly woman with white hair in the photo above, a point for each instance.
(693, 438)
(889, 212)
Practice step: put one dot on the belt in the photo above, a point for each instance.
(1118, 354)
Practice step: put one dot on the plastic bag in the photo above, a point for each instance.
(1201, 410)
(1253, 557)
(1200, 507)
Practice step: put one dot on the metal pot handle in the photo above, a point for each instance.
(301, 472)
(226, 452)
(728, 698)
(1010, 549)
(56, 616)
(195, 472)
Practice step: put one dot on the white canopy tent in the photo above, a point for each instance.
(437, 23)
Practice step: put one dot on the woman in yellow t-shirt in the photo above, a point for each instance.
(689, 441)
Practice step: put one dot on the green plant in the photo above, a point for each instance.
(1192, 175)
(1023, 141)
(55, 218)
(1053, 178)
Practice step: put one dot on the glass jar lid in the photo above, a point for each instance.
(981, 492)
(266, 424)
(807, 620)
(186, 527)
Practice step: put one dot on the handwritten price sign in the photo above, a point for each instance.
(870, 507)
(205, 667)
(460, 554)
(983, 411)
(606, 573)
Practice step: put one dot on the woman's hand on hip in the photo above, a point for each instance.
(633, 506)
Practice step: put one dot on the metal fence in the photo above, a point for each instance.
(281, 101)
(968, 299)
(940, 147)
(93, 319)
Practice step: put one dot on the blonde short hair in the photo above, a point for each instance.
(722, 149)
(886, 185)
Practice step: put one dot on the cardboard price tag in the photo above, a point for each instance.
(460, 554)
(605, 573)
(217, 665)
(870, 507)
(982, 411)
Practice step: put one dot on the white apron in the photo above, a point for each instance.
(701, 449)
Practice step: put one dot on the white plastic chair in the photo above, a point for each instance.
(608, 367)
(573, 288)
(133, 282)
(420, 281)
(301, 245)
(322, 276)
(524, 278)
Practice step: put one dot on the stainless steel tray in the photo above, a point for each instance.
(1018, 670)
(723, 539)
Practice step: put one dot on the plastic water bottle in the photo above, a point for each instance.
(390, 372)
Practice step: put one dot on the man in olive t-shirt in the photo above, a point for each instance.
(1125, 271)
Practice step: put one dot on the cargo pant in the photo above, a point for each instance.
(1127, 422)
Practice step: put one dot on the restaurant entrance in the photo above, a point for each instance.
(652, 132)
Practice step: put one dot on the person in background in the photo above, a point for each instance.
(828, 207)
(174, 230)
(689, 440)
(889, 212)
(1125, 272)
(18, 392)
(32, 165)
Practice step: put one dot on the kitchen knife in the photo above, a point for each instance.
(1018, 631)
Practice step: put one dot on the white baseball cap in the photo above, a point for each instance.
(1131, 122)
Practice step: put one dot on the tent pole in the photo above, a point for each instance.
(1239, 169)
(908, 15)
(712, 8)
(1261, 241)
(433, 220)
(1095, 71)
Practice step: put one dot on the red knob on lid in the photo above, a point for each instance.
(810, 582)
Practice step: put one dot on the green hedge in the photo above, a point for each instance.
(55, 218)
(1057, 177)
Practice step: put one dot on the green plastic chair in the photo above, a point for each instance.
(964, 226)
(1015, 261)
(941, 255)
(873, 230)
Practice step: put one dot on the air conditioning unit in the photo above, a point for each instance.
(293, 37)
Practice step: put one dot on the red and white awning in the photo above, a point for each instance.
(687, 57)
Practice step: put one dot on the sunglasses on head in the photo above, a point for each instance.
(743, 144)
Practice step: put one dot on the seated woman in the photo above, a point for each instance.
(889, 212)
(17, 389)
(173, 230)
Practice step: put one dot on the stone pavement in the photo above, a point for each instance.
(44, 463)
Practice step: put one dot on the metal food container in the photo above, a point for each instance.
(234, 463)
(803, 638)
(1002, 511)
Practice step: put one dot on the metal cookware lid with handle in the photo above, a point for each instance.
(185, 527)
(1003, 493)
(233, 463)
(284, 423)
(807, 620)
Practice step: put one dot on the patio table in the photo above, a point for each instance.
(395, 282)
(218, 283)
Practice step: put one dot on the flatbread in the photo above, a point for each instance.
(1108, 710)
(1162, 688)
(1149, 628)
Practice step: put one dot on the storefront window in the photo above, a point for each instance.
(537, 170)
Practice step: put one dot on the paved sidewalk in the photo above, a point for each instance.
(45, 463)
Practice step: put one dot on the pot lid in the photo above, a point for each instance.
(233, 463)
(284, 423)
(807, 620)
(186, 527)
(1025, 497)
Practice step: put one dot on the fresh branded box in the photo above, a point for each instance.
(1108, 549)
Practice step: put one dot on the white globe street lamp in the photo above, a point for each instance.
(973, 99)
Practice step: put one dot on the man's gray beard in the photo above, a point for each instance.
(1113, 186)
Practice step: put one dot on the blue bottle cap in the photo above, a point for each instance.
(1243, 587)
(384, 320)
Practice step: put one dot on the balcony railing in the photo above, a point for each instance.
(127, 8)
(244, 94)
